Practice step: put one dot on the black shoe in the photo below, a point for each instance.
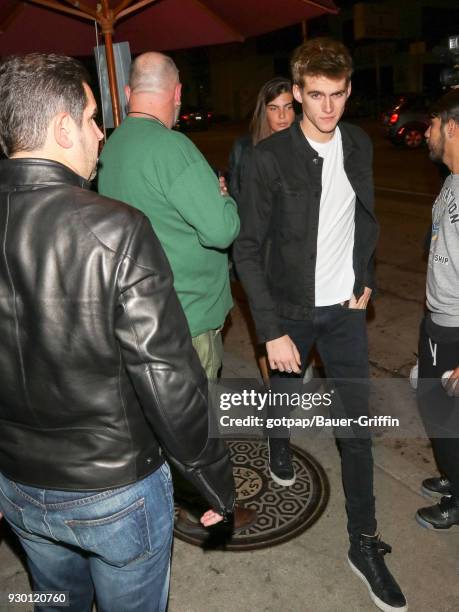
(366, 558)
(441, 516)
(436, 487)
(280, 462)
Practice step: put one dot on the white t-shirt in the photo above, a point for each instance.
(335, 239)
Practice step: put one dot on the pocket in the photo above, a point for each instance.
(118, 539)
(345, 308)
(291, 217)
(355, 312)
(293, 202)
(11, 511)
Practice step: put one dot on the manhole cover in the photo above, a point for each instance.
(283, 512)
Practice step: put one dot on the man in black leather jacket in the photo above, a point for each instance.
(305, 257)
(99, 375)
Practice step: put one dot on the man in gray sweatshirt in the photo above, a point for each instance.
(439, 337)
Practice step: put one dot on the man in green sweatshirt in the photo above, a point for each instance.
(158, 170)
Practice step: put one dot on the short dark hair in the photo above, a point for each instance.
(321, 57)
(33, 89)
(269, 91)
(447, 107)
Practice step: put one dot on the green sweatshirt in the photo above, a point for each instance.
(162, 173)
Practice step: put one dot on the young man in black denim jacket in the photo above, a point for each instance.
(305, 257)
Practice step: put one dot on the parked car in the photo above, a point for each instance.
(406, 121)
(193, 118)
(360, 105)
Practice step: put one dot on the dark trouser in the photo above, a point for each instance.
(341, 338)
(439, 412)
(209, 347)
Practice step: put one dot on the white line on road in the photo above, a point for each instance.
(404, 191)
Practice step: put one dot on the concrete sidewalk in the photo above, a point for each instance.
(310, 573)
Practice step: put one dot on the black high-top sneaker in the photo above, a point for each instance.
(366, 558)
(441, 516)
(436, 487)
(280, 461)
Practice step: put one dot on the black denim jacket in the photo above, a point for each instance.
(276, 251)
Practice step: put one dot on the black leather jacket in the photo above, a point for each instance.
(96, 362)
(275, 253)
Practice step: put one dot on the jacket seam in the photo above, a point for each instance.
(148, 372)
(124, 253)
(123, 404)
(13, 289)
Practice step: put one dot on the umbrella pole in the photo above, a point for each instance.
(105, 16)
(112, 79)
(107, 20)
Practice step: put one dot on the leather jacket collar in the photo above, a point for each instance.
(35, 171)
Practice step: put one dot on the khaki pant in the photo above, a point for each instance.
(209, 347)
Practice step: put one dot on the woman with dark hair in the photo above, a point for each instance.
(273, 112)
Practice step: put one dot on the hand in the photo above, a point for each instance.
(452, 387)
(363, 300)
(223, 186)
(210, 518)
(283, 355)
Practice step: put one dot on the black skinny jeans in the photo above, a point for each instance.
(439, 412)
(340, 336)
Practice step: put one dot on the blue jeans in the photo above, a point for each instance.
(114, 544)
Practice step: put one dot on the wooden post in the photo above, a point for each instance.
(107, 20)
(304, 29)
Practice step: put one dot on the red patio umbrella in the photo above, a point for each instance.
(67, 26)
